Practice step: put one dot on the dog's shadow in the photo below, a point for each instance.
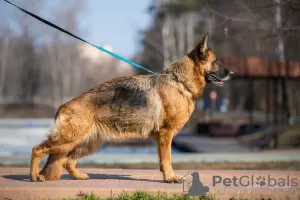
(26, 178)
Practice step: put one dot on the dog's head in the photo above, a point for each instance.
(215, 71)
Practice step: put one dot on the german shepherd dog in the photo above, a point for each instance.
(135, 107)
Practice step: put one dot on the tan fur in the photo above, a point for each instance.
(148, 106)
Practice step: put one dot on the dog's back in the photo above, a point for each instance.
(120, 109)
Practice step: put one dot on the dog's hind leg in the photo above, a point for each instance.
(55, 161)
(70, 166)
(53, 167)
(38, 152)
(79, 152)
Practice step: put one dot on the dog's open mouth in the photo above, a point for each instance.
(216, 80)
(218, 83)
(212, 78)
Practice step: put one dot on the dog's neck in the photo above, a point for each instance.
(192, 78)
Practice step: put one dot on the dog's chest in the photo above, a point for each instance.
(179, 112)
(187, 105)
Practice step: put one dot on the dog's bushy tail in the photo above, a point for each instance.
(53, 167)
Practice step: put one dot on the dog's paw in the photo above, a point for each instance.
(174, 179)
(38, 178)
(82, 176)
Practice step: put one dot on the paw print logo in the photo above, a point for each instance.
(261, 181)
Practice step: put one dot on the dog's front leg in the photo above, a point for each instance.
(164, 142)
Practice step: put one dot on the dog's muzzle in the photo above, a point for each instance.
(211, 77)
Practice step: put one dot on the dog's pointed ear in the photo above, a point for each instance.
(203, 45)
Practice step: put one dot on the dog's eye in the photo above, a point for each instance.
(215, 65)
(216, 61)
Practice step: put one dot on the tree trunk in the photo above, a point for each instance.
(190, 30)
(181, 29)
(166, 40)
(3, 67)
(54, 78)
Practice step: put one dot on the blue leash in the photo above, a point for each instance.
(96, 46)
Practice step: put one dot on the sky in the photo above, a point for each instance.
(116, 23)
(104, 22)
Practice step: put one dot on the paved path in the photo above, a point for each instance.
(14, 184)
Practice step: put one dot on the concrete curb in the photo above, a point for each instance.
(98, 158)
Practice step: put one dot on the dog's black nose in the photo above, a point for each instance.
(231, 73)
